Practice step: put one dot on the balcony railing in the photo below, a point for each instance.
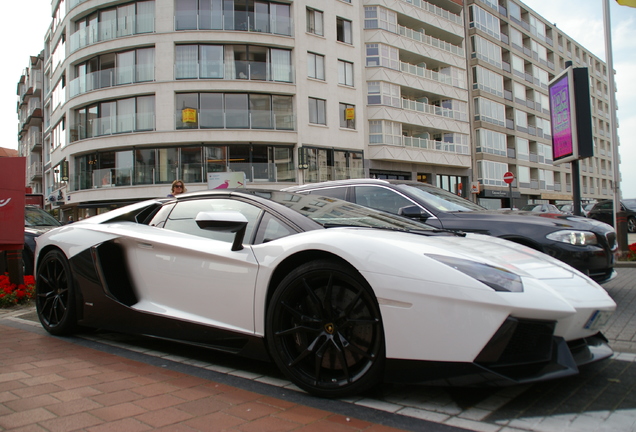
(113, 125)
(430, 40)
(111, 77)
(107, 178)
(35, 170)
(421, 143)
(111, 29)
(436, 10)
(237, 119)
(426, 73)
(412, 105)
(248, 70)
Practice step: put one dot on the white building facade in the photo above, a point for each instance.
(137, 94)
(514, 53)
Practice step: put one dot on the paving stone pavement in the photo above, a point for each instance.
(132, 383)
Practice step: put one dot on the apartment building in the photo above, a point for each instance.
(136, 94)
(514, 53)
(29, 109)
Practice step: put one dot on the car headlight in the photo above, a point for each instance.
(496, 278)
(578, 238)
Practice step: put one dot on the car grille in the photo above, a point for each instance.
(519, 341)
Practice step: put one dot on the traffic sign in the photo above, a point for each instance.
(509, 177)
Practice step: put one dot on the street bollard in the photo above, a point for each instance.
(621, 234)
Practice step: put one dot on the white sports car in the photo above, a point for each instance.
(339, 296)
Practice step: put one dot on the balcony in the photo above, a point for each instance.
(430, 40)
(436, 10)
(34, 171)
(111, 29)
(421, 143)
(426, 73)
(422, 107)
(111, 77)
(34, 141)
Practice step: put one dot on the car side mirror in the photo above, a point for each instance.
(412, 212)
(224, 221)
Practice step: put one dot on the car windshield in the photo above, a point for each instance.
(532, 207)
(331, 212)
(441, 199)
(34, 216)
(630, 204)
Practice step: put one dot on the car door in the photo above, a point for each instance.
(193, 274)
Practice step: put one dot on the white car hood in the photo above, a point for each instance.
(508, 254)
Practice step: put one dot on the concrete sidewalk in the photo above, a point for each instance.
(53, 384)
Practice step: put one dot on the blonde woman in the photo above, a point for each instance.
(177, 188)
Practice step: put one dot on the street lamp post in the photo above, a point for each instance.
(619, 224)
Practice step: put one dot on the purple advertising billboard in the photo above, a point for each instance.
(563, 118)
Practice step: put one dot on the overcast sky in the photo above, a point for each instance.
(582, 20)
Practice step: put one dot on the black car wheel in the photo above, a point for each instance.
(631, 224)
(324, 330)
(54, 295)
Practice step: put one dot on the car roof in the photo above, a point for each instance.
(353, 182)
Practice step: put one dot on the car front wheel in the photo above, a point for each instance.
(631, 224)
(324, 330)
(54, 294)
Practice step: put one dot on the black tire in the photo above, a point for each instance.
(54, 294)
(324, 330)
(631, 224)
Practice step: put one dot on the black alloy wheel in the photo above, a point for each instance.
(54, 295)
(324, 330)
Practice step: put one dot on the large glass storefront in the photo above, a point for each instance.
(147, 166)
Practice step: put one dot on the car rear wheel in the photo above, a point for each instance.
(324, 330)
(631, 224)
(54, 294)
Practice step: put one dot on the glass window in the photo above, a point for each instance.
(485, 50)
(145, 70)
(144, 166)
(345, 73)
(347, 116)
(489, 141)
(314, 22)
(185, 14)
(317, 111)
(211, 113)
(491, 173)
(380, 198)
(210, 61)
(344, 31)
(167, 165)
(187, 110)
(216, 158)
(182, 218)
(484, 21)
(487, 80)
(270, 229)
(236, 110)
(191, 167)
(260, 111)
(490, 111)
(315, 66)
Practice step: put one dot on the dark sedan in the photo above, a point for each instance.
(36, 223)
(585, 244)
(604, 212)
